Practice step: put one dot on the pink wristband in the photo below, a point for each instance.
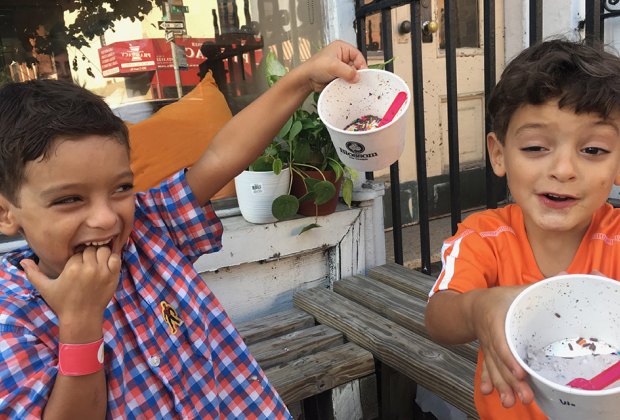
(80, 359)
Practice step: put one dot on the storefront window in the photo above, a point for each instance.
(123, 50)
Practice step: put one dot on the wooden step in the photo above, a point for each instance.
(438, 369)
(295, 345)
(318, 372)
(404, 279)
(274, 325)
(395, 305)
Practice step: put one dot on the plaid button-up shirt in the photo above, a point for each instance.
(170, 349)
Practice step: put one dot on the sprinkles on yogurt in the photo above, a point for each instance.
(365, 123)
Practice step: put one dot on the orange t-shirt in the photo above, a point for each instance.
(491, 249)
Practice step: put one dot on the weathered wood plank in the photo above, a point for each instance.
(315, 373)
(404, 279)
(295, 345)
(274, 325)
(398, 306)
(443, 372)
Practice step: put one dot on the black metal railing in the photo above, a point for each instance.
(596, 13)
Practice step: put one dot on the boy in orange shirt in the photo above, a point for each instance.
(556, 137)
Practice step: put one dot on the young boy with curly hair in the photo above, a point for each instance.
(556, 138)
(103, 314)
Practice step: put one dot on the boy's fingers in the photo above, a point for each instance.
(346, 72)
(114, 263)
(486, 386)
(503, 388)
(34, 275)
(103, 254)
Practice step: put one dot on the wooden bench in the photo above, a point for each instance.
(305, 362)
(383, 312)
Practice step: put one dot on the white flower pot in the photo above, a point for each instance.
(256, 192)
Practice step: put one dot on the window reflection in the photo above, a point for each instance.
(121, 51)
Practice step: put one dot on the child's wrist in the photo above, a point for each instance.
(300, 81)
(82, 330)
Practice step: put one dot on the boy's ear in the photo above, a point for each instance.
(8, 223)
(496, 154)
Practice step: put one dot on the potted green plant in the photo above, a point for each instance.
(263, 181)
(311, 158)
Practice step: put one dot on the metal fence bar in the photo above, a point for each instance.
(536, 21)
(453, 118)
(593, 22)
(420, 136)
(489, 83)
(397, 228)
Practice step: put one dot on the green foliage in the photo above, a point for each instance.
(309, 147)
(271, 159)
(381, 66)
(94, 17)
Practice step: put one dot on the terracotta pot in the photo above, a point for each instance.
(308, 208)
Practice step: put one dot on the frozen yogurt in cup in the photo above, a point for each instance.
(342, 103)
(561, 307)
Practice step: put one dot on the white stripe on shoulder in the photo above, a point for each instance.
(448, 260)
(497, 231)
(609, 240)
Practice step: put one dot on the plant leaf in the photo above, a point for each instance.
(302, 152)
(273, 68)
(295, 130)
(347, 191)
(336, 168)
(310, 183)
(286, 128)
(324, 191)
(307, 197)
(380, 66)
(308, 227)
(277, 166)
(284, 207)
(262, 164)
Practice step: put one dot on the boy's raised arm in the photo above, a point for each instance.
(244, 137)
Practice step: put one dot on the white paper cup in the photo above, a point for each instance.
(557, 308)
(341, 103)
(256, 192)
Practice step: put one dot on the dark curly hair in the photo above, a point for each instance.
(35, 113)
(580, 77)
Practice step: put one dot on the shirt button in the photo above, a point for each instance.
(154, 361)
(253, 378)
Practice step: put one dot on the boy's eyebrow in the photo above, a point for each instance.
(609, 123)
(529, 126)
(602, 122)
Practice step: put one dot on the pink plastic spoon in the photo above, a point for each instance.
(600, 381)
(400, 99)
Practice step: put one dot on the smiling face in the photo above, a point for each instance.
(81, 195)
(560, 166)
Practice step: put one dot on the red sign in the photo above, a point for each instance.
(126, 57)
